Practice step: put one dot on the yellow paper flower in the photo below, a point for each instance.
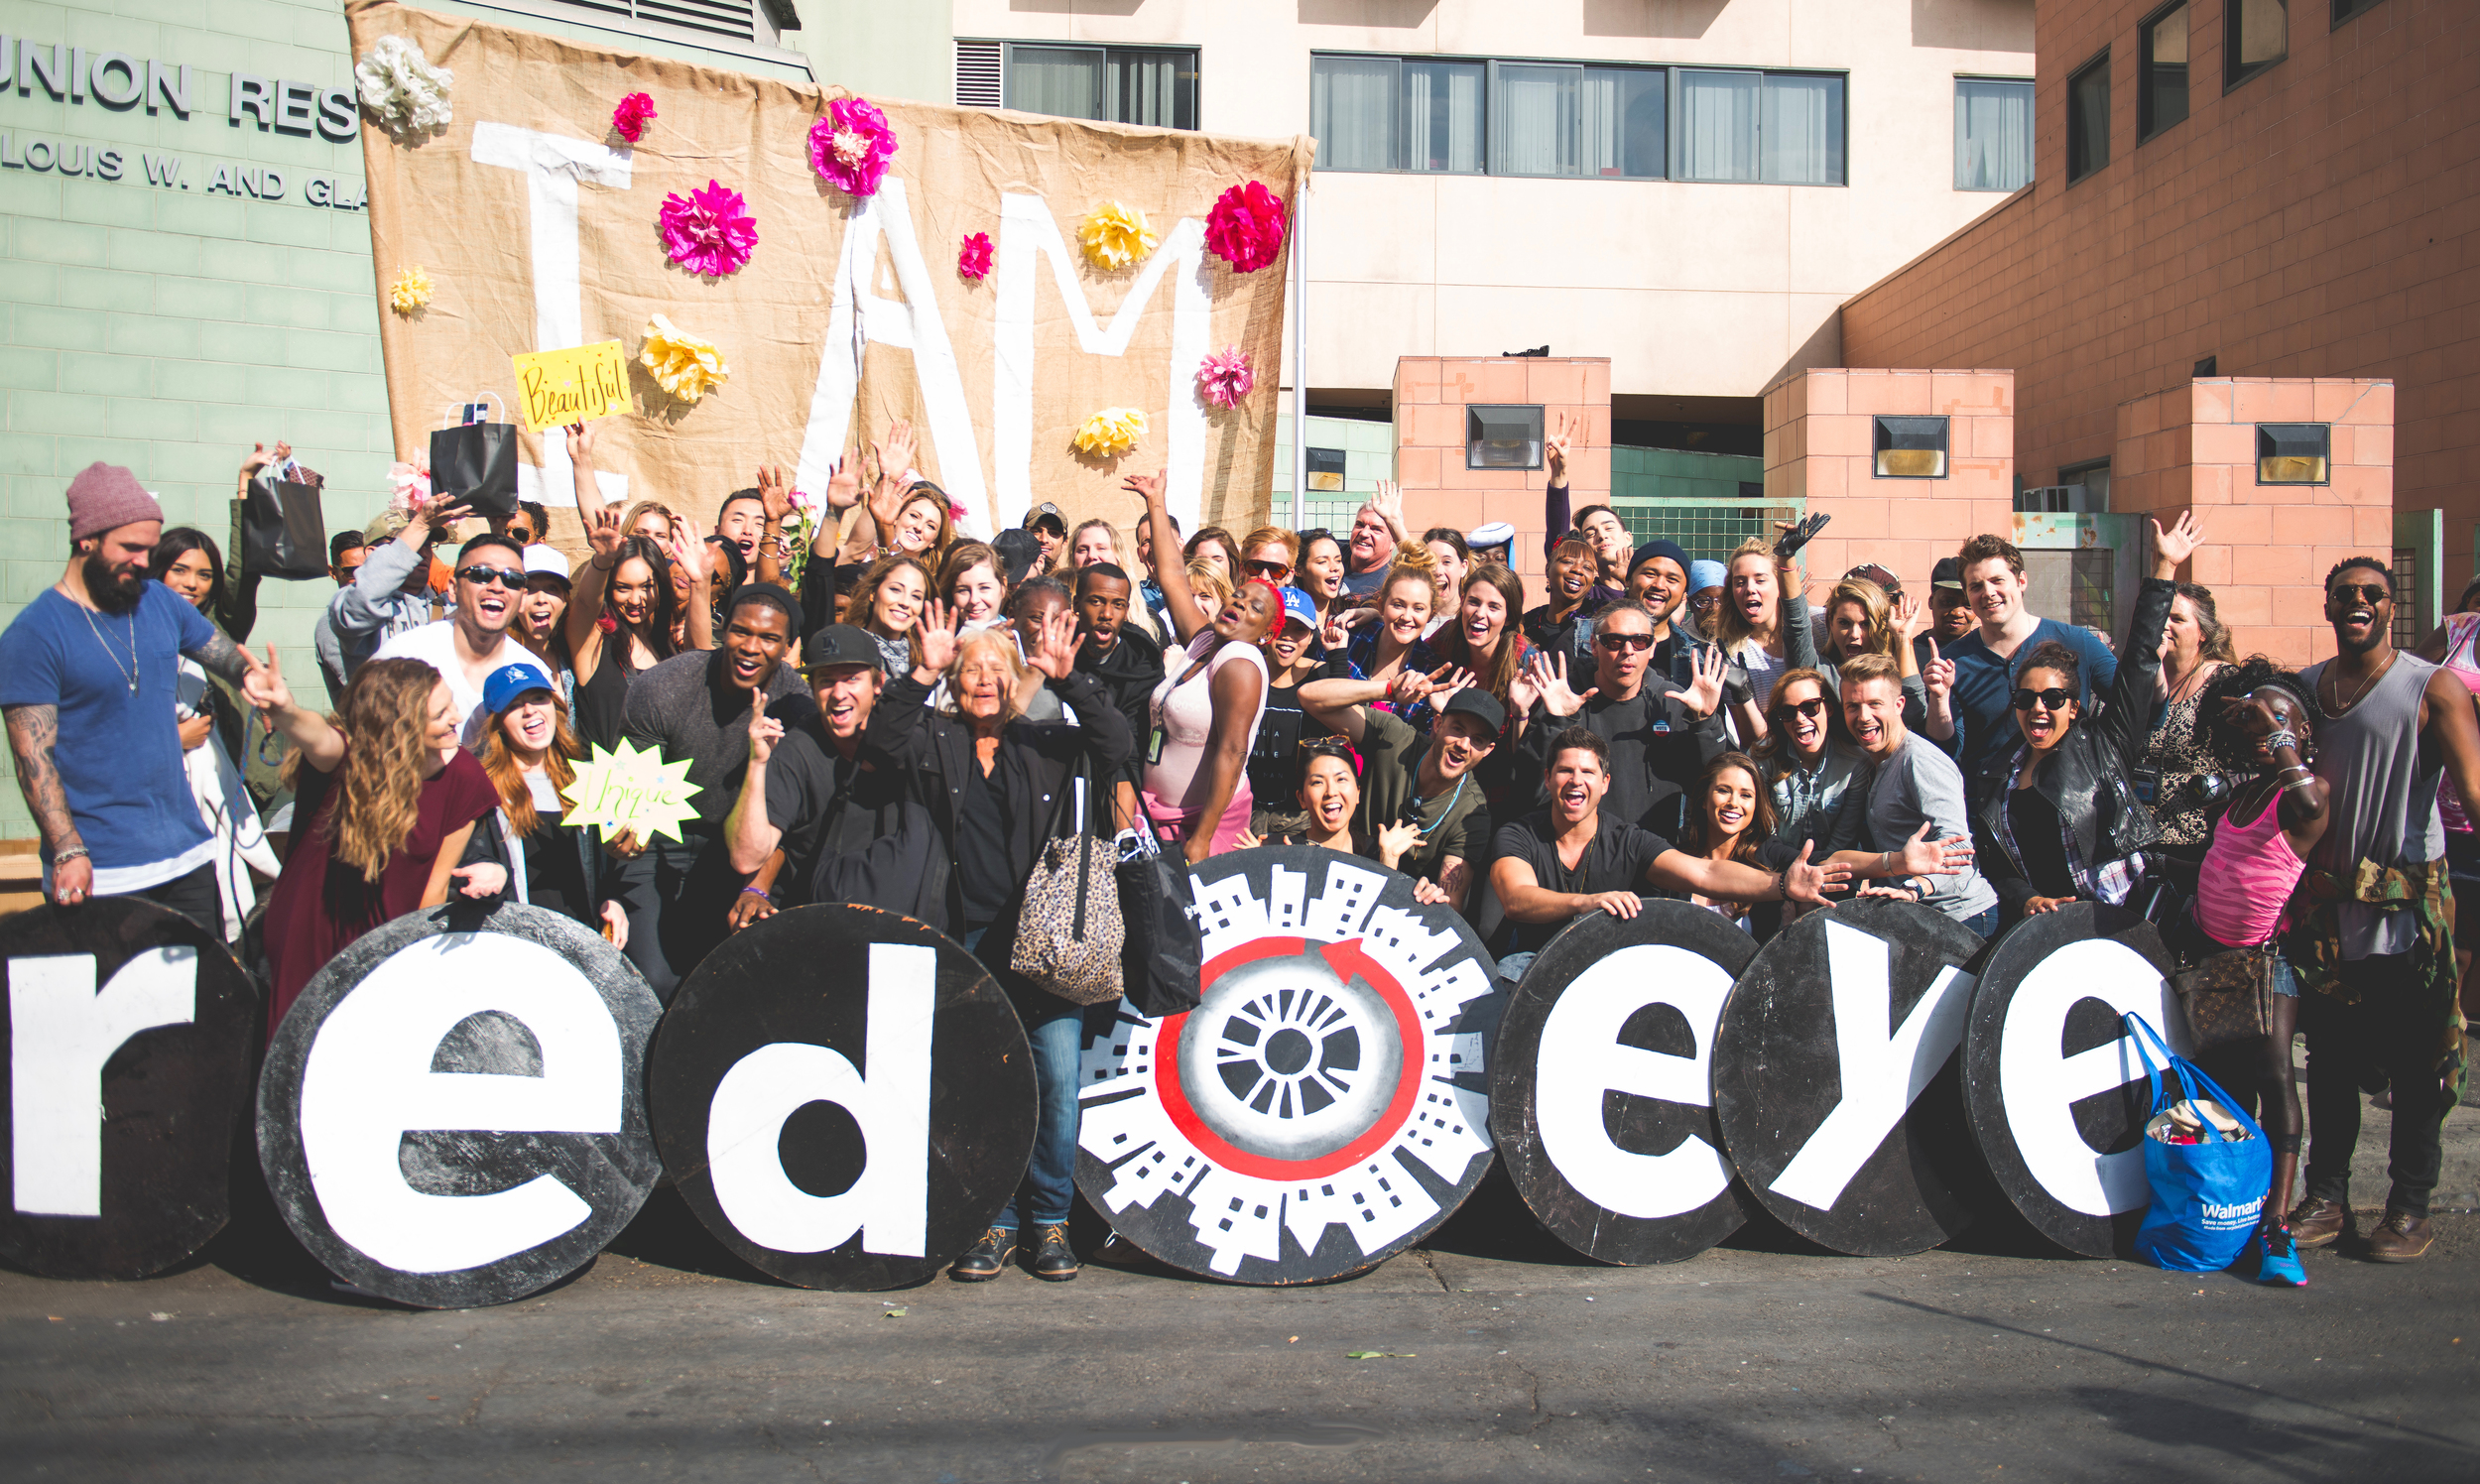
(410, 290)
(683, 364)
(1115, 236)
(1112, 430)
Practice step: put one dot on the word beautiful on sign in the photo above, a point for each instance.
(115, 81)
(630, 790)
(577, 384)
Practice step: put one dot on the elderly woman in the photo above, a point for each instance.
(993, 783)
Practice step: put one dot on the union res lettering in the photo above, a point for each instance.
(575, 385)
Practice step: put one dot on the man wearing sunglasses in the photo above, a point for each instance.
(2375, 951)
(1661, 733)
(474, 641)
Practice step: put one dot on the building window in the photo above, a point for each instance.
(1911, 447)
(1117, 84)
(2343, 10)
(1502, 436)
(1993, 134)
(1326, 468)
(1782, 128)
(1570, 120)
(2293, 452)
(2161, 86)
(2255, 34)
(759, 21)
(2095, 478)
(2088, 119)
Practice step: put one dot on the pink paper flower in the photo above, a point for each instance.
(629, 119)
(974, 261)
(1224, 378)
(850, 146)
(1245, 228)
(708, 233)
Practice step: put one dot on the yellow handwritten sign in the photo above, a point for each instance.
(577, 384)
(630, 790)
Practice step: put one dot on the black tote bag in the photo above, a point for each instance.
(284, 533)
(475, 464)
(1164, 953)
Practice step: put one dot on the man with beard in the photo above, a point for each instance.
(1124, 658)
(1409, 778)
(1377, 529)
(473, 642)
(2375, 951)
(694, 707)
(839, 823)
(1661, 734)
(1558, 863)
(89, 672)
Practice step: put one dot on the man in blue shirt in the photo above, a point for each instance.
(1970, 681)
(88, 675)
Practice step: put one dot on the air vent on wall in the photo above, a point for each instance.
(978, 77)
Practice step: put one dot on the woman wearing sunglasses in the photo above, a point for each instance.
(1813, 771)
(2057, 819)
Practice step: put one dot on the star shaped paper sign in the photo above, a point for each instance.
(630, 790)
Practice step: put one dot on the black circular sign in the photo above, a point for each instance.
(1834, 1077)
(845, 1097)
(1601, 1092)
(1327, 1104)
(2056, 1091)
(130, 1038)
(453, 1112)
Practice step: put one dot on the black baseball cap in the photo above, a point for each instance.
(1480, 705)
(1018, 551)
(1948, 573)
(836, 646)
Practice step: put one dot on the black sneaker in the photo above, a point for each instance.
(987, 1258)
(1054, 1260)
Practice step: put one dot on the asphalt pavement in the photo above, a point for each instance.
(1488, 1353)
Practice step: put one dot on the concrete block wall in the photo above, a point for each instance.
(1820, 447)
(2268, 545)
(1430, 395)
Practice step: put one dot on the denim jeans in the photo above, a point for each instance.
(1984, 921)
(1056, 1030)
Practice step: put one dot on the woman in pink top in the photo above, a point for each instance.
(2261, 725)
(1207, 707)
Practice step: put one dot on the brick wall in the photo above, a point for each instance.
(1430, 395)
(1819, 446)
(2321, 219)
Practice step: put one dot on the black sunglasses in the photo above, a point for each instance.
(1275, 570)
(1812, 707)
(481, 576)
(1615, 642)
(2371, 593)
(2054, 697)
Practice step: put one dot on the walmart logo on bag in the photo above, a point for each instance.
(2231, 1217)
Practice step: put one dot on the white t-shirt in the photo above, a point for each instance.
(435, 645)
(1185, 713)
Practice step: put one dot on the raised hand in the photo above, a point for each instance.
(688, 546)
(264, 687)
(1412, 688)
(764, 730)
(1807, 881)
(937, 630)
(581, 442)
(775, 492)
(2250, 715)
(844, 482)
(1522, 690)
(1148, 486)
(258, 457)
(1797, 535)
(1911, 617)
(1557, 697)
(1711, 666)
(1055, 647)
(1394, 840)
(895, 455)
(2172, 547)
(1389, 501)
(436, 515)
(1555, 447)
(602, 532)
(1937, 676)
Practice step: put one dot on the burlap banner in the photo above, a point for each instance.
(539, 229)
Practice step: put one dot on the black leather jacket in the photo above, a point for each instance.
(2086, 777)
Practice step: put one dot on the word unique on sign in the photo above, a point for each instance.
(575, 385)
(626, 788)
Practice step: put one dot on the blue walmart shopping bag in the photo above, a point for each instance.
(2208, 1165)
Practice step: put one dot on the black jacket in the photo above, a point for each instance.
(1035, 759)
(2086, 777)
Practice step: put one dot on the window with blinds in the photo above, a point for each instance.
(741, 20)
(1156, 86)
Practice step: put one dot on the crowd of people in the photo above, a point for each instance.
(898, 714)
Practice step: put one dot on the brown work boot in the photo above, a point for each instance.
(2316, 1222)
(2400, 1238)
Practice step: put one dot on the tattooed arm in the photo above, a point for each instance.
(32, 733)
(219, 656)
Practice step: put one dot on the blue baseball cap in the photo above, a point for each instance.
(1300, 607)
(510, 681)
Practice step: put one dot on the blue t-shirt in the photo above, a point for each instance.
(119, 751)
(1984, 685)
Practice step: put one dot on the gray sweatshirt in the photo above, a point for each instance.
(1921, 783)
(370, 610)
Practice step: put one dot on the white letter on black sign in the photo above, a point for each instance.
(1580, 1058)
(2040, 1088)
(1881, 1073)
(367, 1082)
(889, 1204)
(60, 1033)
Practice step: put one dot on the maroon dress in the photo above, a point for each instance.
(321, 905)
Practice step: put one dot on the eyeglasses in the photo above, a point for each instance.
(483, 577)
(1812, 707)
(1277, 570)
(2371, 593)
(2053, 699)
(1704, 601)
(1618, 642)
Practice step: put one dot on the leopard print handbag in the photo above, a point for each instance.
(1069, 931)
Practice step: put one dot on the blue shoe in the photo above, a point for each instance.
(2275, 1262)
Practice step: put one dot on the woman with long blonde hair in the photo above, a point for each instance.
(1860, 619)
(384, 806)
(1752, 624)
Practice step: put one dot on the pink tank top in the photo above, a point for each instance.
(2249, 873)
(2461, 630)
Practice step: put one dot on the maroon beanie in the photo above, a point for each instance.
(103, 496)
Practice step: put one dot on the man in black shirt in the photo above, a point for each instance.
(1126, 660)
(807, 791)
(1661, 733)
(1557, 864)
(1428, 780)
